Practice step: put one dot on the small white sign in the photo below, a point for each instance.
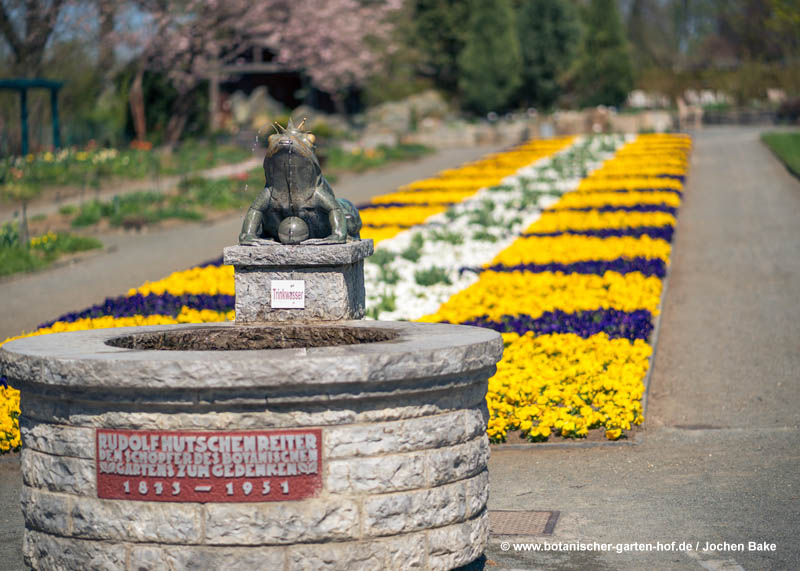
(288, 294)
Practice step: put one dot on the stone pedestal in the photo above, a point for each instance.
(332, 276)
(394, 445)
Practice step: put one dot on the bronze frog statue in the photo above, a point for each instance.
(297, 204)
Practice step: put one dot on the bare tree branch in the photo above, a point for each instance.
(8, 31)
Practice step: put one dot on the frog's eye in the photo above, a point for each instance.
(310, 138)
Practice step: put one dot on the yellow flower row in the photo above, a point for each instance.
(209, 280)
(186, 315)
(405, 215)
(597, 199)
(425, 196)
(430, 196)
(600, 184)
(378, 235)
(497, 294)
(568, 248)
(566, 384)
(560, 221)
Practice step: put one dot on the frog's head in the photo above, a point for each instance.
(291, 148)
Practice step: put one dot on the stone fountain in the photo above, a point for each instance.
(298, 437)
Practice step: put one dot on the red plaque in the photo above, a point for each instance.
(224, 466)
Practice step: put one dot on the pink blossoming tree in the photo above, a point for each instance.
(333, 41)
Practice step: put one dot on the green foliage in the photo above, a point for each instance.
(9, 235)
(787, 147)
(381, 257)
(360, 160)
(388, 275)
(141, 208)
(453, 238)
(399, 78)
(604, 69)
(431, 276)
(483, 216)
(134, 210)
(219, 194)
(16, 257)
(549, 32)
(484, 236)
(414, 250)
(440, 35)
(388, 302)
(490, 63)
(19, 259)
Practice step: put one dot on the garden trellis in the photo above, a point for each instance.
(22, 86)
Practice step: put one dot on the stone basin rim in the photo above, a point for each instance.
(82, 359)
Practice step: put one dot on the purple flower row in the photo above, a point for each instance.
(648, 266)
(615, 323)
(625, 190)
(153, 304)
(660, 232)
(371, 206)
(616, 208)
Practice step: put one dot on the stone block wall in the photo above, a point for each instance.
(404, 452)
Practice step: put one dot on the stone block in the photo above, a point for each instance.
(477, 419)
(409, 551)
(333, 276)
(331, 294)
(384, 474)
(457, 462)
(162, 522)
(275, 523)
(153, 557)
(45, 511)
(55, 439)
(299, 255)
(361, 556)
(412, 511)
(46, 552)
(456, 545)
(59, 473)
(477, 491)
(433, 431)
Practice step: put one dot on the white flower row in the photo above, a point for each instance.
(471, 233)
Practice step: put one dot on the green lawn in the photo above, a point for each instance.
(787, 147)
(41, 251)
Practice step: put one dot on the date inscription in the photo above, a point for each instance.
(224, 466)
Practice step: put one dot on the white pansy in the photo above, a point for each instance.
(474, 231)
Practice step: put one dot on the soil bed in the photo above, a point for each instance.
(251, 338)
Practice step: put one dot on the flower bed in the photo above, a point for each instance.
(577, 305)
(561, 245)
(73, 166)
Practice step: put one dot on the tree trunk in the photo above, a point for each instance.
(178, 119)
(136, 100)
(107, 11)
